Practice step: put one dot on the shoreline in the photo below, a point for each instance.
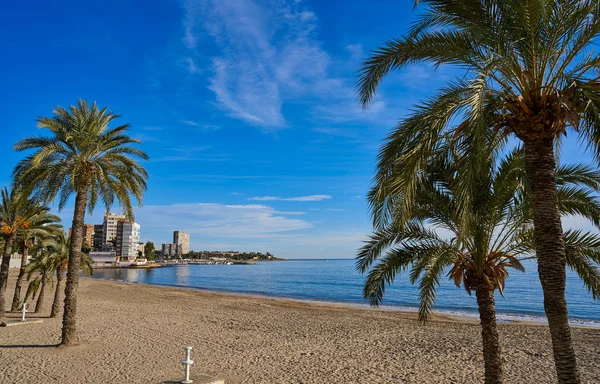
(135, 333)
(456, 315)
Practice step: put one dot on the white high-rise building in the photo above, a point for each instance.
(128, 238)
(111, 220)
(182, 240)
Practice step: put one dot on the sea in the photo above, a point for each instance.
(337, 281)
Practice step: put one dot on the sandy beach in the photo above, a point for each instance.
(132, 333)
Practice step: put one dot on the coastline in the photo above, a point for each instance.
(131, 332)
(448, 314)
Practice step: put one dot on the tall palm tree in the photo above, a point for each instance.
(478, 255)
(530, 68)
(16, 212)
(43, 225)
(81, 156)
(60, 260)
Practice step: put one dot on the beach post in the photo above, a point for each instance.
(187, 363)
(23, 311)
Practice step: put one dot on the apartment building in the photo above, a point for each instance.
(111, 220)
(127, 240)
(182, 239)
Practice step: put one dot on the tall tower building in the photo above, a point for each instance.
(98, 237)
(110, 227)
(182, 240)
(128, 237)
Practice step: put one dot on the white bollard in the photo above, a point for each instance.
(187, 363)
(23, 311)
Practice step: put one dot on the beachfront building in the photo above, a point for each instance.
(111, 221)
(169, 250)
(98, 239)
(182, 239)
(127, 239)
(103, 259)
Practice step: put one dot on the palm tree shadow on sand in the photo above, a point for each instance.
(30, 346)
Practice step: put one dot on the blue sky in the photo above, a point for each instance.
(246, 108)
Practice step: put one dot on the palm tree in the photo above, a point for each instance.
(82, 156)
(60, 260)
(530, 68)
(43, 225)
(478, 255)
(16, 212)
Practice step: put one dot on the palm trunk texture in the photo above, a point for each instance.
(489, 334)
(550, 249)
(4, 272)
(40, 301)
(69, 326)
(16, 303)
(56, 302)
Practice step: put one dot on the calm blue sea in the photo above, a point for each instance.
(337, 281)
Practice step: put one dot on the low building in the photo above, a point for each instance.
(104, 259)
(15, 260)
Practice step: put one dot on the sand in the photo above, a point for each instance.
(133, 333)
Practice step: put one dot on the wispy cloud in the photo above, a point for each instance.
(190, 122)
(193, 153)
(269, 53)
(197, 177)
(300, 198)
(191, 65)
(356, 51)
(204, 127)
(339, 132)
(219, 220)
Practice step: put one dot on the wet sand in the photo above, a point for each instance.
(134, 333)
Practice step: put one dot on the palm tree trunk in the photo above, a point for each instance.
(489, 334)
(4, 266)
(56, 302)
(550, 249)
(17, 296)
(40, 301)
(69, 327)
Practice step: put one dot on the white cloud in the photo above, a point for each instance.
(268, 54)
(300, 198)
(419, 75)
(578, 222)
(340, 132)
(356, 51)
(219, 220)
(189, 122)
(191, 65)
